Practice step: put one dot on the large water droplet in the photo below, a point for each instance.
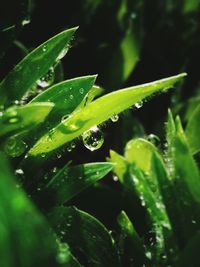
(15, 147)
(114, 118)
(63, 53)
(93, 139)
(153, 139)
(47, 79)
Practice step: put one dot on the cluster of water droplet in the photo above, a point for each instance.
(47, 79)
(14, 146)
(93, 139)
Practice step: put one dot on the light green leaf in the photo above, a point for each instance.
(99, 111)
(140, 152)
(33, 66)
(85, 233)
(17, 119)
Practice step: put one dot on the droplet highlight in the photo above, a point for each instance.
(93, 139)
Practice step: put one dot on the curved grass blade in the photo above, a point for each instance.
(70, 181)
(85, 233)
(193, 130)
(99, 111)
(17, 119)
(33, 66)
(20, 217)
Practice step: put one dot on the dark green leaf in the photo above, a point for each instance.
(33, 66)
(86, 234)
(70, 181)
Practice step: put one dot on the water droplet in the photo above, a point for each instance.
(93, 139)
(63, 53)
(26, 21)
(81, 91)
(139, 104)
(15, 147)
(71, 97)
(65, 117)
(133, 15)
(148, 255)
(47, 79)
(43, 155)
(19, 171)
(115, 178)
(44, 48)
(71, 146)
(153, 139)
(114, 118)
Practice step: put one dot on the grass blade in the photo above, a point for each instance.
(70, 181)
(99, 111)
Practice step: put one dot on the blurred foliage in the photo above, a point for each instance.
(55, 208)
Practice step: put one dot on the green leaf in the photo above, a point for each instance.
(184, 185)
(33, 66)
(120, 164)
(140, 152)
(17, 119)
(131, 245)
(66, 96)
(99, 111)
(86, 234)
(193, 130)
(19, 220)
(70, 181)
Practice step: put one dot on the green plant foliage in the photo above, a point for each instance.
(33, 67)
(86, 234)
(17, 119)
(70, 181)
(192, 130)
(56, 209)
(97, 112)
(19, 220)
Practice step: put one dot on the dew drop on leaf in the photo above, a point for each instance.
(63, 53)
(47, 79)
(44, 48)
(14, 146)
(139, 104)
(65, 117)
(93, 139)
(115, 118)
(81, 91)
(153, 139)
